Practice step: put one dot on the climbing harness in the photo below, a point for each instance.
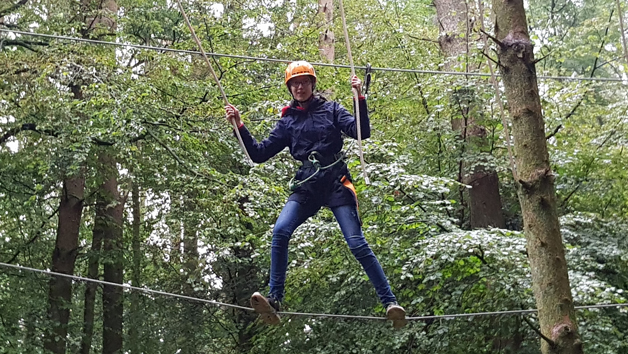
(355, 94)
(313, 161)
(211, 69)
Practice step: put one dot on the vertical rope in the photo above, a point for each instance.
(621, 28)
(356, 98)
(211, 69)
(498, 96)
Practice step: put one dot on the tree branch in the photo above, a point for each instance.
(491, 59)
(34, 238)
(595, 66)
(573, 110)
(497, 41)
(25, 44)
(549, 341)
(173, 154)
(12, 8)
(559, 127)
(12, 132)
(542, 58)
(423, 39)
(33, 127)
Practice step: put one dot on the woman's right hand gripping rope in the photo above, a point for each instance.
(233, 115)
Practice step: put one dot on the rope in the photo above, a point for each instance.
(125, 286)
(498, 96)
(299, 314)
(211, 68)
(355, 93)
(287, 61)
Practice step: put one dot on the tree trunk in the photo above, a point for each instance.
(190, 263)
(63, 261)
(112, 256)
(550, 281)
(326, 39)
(92, 273)
(136, 270)
(485, 206)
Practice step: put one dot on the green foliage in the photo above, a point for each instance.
(207, 215)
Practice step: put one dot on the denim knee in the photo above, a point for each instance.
(281, 237)
(358, 246)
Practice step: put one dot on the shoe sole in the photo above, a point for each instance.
(398, 316)
(266, 312)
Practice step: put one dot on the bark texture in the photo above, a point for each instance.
(113, 207)
(63, 261)
(136, 273)
(100, 16)
(485, 205)
(326, 39)
(536, 191)
(192, 311)
(92, 273)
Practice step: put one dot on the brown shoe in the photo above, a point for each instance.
(267, 308)
(397, 314)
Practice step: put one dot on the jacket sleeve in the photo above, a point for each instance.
(347, 123)
(267, 148)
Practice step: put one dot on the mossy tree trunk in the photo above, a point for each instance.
(536, 191)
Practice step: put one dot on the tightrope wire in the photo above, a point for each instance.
(219, 55)
(300, 314)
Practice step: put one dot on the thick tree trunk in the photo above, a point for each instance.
(550, 280)
(136, 270)
(485, 206)
(92, 273)
(112, 256)
(326, 39)
(63, 261)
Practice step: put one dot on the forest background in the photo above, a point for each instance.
(117, 164)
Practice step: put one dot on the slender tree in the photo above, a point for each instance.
(190, 265)
(93, 273)
(550, 281)
(136, 270)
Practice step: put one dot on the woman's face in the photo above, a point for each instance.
(301, 88)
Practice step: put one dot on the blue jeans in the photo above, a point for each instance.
(295, 214)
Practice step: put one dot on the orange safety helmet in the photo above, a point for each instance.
(300, 68)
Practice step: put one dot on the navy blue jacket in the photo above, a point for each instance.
(318, 128)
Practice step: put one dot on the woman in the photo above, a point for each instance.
(311, 128)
